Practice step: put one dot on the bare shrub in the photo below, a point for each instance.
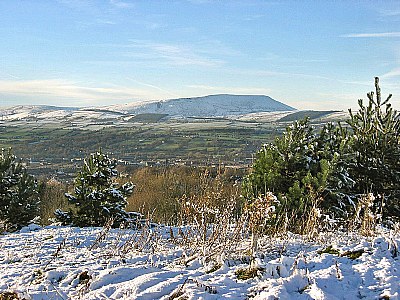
(52, 198)
(258, 212)
(159, 189)
(210, 228)
(365, 218)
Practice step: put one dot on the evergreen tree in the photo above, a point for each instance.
(278, 165)
(331, 170)
(97, 198)
(298, 168)
(333, 145)
(19, 197)
(375, 164)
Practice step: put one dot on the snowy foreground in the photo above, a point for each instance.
(93, 263)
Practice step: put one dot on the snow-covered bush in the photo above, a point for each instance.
(327, 173)
(374, 163)
(298, 168)
(19, 200)
(97, 197)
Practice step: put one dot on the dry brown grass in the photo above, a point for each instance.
(159, 190)
(51, 198)
(365, 218)
(10, 296)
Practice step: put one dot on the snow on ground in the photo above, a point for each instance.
(93, 263)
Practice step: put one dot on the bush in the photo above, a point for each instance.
(52, 197)
(19, 197)
(330, 171)
(97, 198)
(159, 189)
(298, 168)
(375, 152)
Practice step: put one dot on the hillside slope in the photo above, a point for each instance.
(209, 106)
(126, 264)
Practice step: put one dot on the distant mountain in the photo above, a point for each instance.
(23, 112)
(203, 107)
(207, 106)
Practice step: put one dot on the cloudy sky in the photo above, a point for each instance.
(308, 54)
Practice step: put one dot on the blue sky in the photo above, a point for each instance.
(308, 54)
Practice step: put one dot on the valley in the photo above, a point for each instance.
(202, 131)
(56, 149)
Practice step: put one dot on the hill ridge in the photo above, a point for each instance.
(217, 105)
(208, 106)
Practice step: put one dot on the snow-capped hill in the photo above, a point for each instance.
(128, 107)
(203, 107)
(210, 106)
(51, 113)
(22, 112)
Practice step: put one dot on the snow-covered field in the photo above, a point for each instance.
(93, 263)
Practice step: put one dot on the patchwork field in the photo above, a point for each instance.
(55, 144)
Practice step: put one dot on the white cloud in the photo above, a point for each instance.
(391, 74)
(57, 89)
(389, 13)
(372, 35)
(105, 21)
(215, 47)
(203, 53)
(8, 75)
(267, 73)
(121, 4)
(153, 87)
(178, 55)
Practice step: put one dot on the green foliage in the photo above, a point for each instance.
(353, 254)
(193, 142)
(148, 118)
(249, 273)
(375, 161)
(298, 168)
(97, 198)
(328, 172)
(329, 250)
(19, 201)
(278, 165)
